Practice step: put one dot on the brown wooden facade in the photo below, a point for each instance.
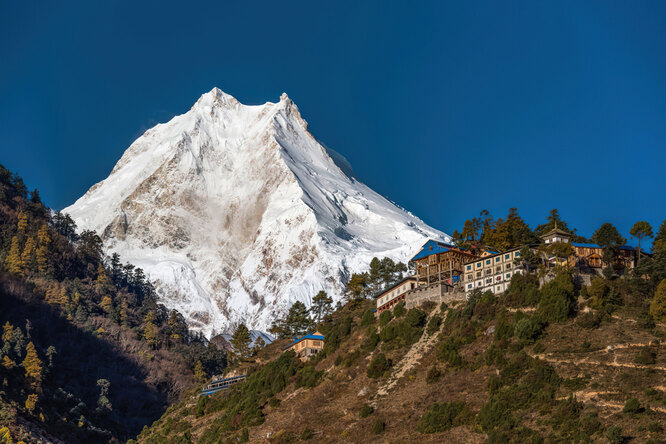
(442, 267)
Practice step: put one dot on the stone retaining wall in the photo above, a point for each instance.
(436, 293)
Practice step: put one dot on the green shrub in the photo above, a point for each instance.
(614, 435)
(274, 402)
(379, 426)
(655, 427)
(448, 352)
(338, 360)
(366, 410)
(443, 307)
(557, 299)
(441, 417)
(503, 329)
(371, 341)
(309, 376)
(434, 324)
(385, 317)
(433, 374)
(528, 329)
(494, 415)
(399, 309)
(378, 366)
(632, 406)
(368, 318)
(245, 435)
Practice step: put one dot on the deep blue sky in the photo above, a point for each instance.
(447, 108)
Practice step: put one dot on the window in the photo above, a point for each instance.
(508, 275)
(497, 259)
(507, 256)
(488, 262)
(508, 266)
(469, 286)
(488, 271)
(469, 267)
(478, 264)
(489, 281)
(478, 274)
(498, 269)
(516, 254)
(470, 276)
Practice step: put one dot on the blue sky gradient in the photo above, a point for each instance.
(446, 108)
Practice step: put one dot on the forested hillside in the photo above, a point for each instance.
(87, 355)
(551, 360)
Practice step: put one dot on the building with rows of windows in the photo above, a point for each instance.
(492, 272)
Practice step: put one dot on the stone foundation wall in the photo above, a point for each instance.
(436, 293)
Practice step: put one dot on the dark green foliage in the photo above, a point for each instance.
(504, 329)
(297, 322)
(405, 331)
(368, 318)
(308, 376)
(523, 291)
(245, 435)
(528, 329)
(495, 414)
(614, 435)
(557, 301)
(378, 367)
(366, 410)
(399, 309)
(448, 352)
(334, 331)
(434, 324)
(274, 402)
(371, 341)
(385, 317)
(632, 406)
(350, 359)
(379, 426)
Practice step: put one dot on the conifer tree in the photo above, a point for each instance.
(259, 343)
(123, 312)
(150, 334)
(28, 256)
(8, 363)
(659, 242)
(322, 304)
(42, 254)
(32, 365)
(658, 304)
(199, 374)
(102, 281)
(298, 321)
(31, 402)
(641, 230)
(240, 341)
(13, 259)
(22, 222)
(107, 305)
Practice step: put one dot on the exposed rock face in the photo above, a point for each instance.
(237, 211)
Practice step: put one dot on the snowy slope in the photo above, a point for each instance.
(237, 211)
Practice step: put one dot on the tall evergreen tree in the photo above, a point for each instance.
(32, 365)
(322, 305)
(298, 321)
(610, 240)
(241, 341)
(640, 231)
(13, 259)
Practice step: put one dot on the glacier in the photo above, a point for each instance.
(236, 211)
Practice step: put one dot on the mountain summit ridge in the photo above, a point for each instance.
(236, 211)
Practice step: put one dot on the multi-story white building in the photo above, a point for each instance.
(491, 273)
(390, 296)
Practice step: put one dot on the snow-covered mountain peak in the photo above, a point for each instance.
(237, 211)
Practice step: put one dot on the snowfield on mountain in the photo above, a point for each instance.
(237, 211)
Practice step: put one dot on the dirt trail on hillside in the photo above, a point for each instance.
(410, 360)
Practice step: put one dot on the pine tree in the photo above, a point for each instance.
(641, 230)
(240, 341)
(610, 240)
(298, 321)
(28, 256)
(322, 305)
(32, 365)
(13, 259)
(22, 222)
(150, 334)
(659, 242)
(658, 304)
(199, 374)
(259, 343)
(107, 305)
(42, 254)
(8, 363)
(124, 319)
(102, 281)
(31, 402)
